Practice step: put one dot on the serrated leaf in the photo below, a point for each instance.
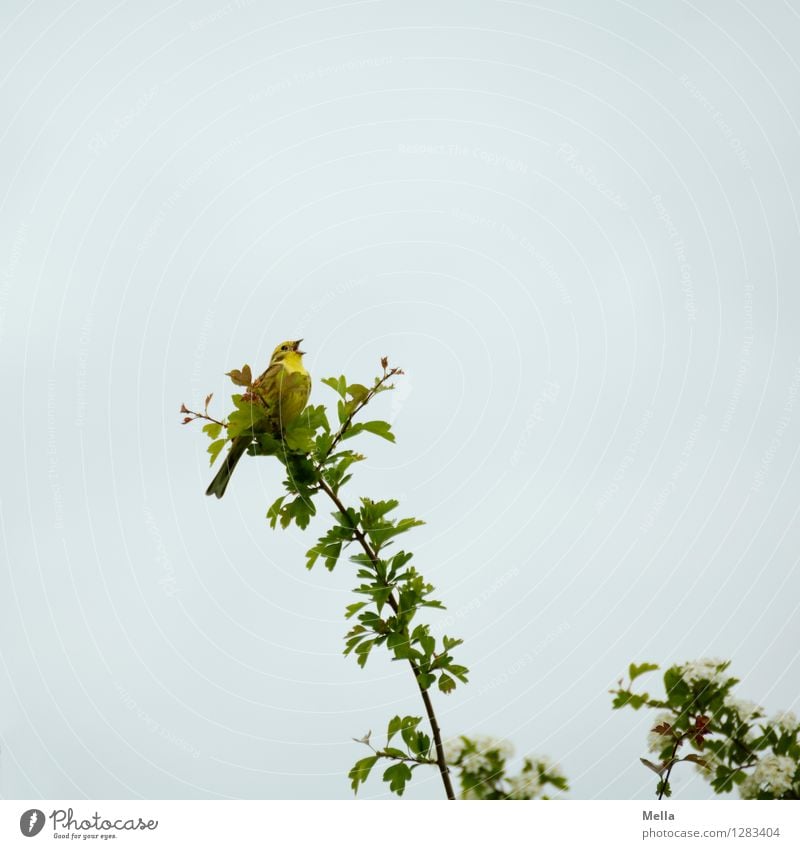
(214, 450)
(338, 384)
(635, 671)
(395, 724)
(397, 777)
(213, 429)
(425, 680)
(394, 753)
(446, 683)
(460, 672)
(357, 392)
(379, 428)
(275, 510)
(360, 772)
(352, 609)
(241, 378)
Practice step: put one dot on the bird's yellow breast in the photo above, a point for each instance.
(293, 386)
(293, 363)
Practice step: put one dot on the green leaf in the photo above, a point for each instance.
(379, 533)
(446, 683)
(301, 510)
(352, 609)
(678, 691)
(247, 418)
(266, 445)
(214, 450)
(357, 392)
(379, 428)
(395, 724)
(362, 652)
(404, 724)
(425, 680)
(338, 384)
(299, 437)
(625, 698)
(399, 644)
(213, 429)
(383, 429)
(428, 644)
(360, 772)
(397, 776)
(275, 510)
(301, 470)
(635, 671)
(315, 418)
(329, 549)
(460, 672)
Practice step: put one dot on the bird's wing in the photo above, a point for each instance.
(264, 384)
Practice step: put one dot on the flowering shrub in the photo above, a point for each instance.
(732, 741)
(481, 764)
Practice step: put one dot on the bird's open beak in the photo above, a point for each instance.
(297, 346)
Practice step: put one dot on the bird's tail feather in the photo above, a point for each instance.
(220, 483)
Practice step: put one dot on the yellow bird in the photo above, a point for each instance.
(284, 388)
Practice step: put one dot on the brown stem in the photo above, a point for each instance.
(672, 762)
(392, 601)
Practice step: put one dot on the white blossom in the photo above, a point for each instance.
(786, 720)
(453, 748)
(524, 786)
(703, 669)
(746, 709)
(473, 752)
(773, 774)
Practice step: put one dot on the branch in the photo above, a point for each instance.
(392, 602)
(672, 761)
(339, 435)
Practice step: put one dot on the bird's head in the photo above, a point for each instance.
(286, 349)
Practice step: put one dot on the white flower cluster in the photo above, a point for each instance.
(786, 721)
(746, 709)
(472, 753)
(704, 669)
(526, 785)
(773, 774)
(530, 783)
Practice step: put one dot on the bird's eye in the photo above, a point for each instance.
(284, 347)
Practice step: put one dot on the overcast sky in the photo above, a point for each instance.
(575, 228)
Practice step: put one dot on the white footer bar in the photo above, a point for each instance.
(398, 824)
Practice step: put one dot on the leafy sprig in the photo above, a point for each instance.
(733, 743)
(390, 592)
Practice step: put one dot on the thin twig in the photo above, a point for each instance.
(672, 762)
(339, 435)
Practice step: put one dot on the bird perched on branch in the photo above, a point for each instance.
(283, 389)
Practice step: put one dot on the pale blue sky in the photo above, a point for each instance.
(574, 227)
